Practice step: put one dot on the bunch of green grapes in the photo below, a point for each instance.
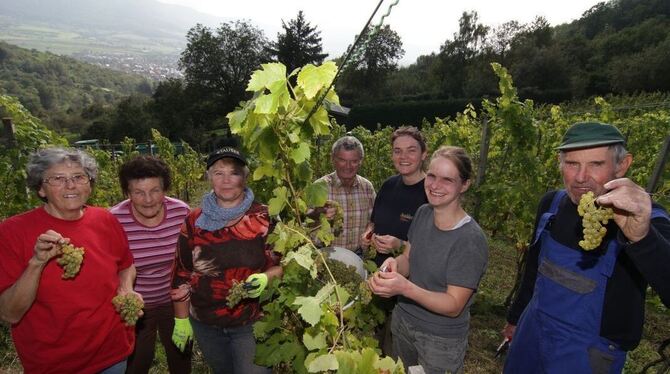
(236, 293)
(70, 260)
(594, 219)
(338, 219)
(129, 306)
(371, 252)
(345, 276)
(364, 293)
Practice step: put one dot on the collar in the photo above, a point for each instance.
(337, 182)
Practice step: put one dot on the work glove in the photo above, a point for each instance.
(257, 283)
(182, 333)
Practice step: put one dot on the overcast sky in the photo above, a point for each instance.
(423, 25)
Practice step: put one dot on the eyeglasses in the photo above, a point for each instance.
(61, 180)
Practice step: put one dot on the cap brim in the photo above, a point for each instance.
(213, 160)
(588, 144)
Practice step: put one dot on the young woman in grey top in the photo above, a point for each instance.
(439, 271)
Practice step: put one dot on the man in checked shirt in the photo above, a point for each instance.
(354, 193)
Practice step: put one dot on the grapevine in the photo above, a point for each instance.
(71, 260)
(594, 219)
(345, 275)
(338, 218)
(129, 306)
(236, 293)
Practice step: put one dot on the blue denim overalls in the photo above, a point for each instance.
(559, 331)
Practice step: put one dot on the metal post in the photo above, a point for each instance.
(660, 163)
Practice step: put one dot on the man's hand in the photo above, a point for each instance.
(631, 205)
(258, 281)
(182, 333)
(508, 331)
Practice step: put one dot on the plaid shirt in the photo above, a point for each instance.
(357, 202)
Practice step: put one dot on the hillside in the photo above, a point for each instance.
(51, 86)
(124, 26)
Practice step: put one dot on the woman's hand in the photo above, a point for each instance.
(47, 246)
(386, 243)
(388, 283)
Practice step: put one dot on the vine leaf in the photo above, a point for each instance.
(316, 194)
(315, 342)
(303, 257)
(301, 153)
(277, 203)
(320, 122)
(266, 104)
(313, 78)
(322, 363)
(267, 77)
(309, 310)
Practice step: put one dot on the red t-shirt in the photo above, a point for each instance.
(72, 326)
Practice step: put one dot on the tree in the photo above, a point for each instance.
(461, 58)
(379, 58)
(216, 66)
(171, 106)
(298, 45)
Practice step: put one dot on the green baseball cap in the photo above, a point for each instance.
(590, 135)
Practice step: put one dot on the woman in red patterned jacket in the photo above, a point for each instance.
(222, 242)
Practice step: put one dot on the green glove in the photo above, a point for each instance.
(182, 333)
(258, 281)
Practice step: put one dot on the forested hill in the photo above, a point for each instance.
(619, 47)
(50, 85)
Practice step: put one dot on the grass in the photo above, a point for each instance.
(488, 318)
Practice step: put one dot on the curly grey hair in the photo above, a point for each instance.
(43, 159)
(348, 143)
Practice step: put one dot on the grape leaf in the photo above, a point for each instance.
(315, 342)
(310, 309)
(320, 122)
(316, 194)
(266, 104)
(301, 153)
(302, 256)
(269, 74)
(322, 363)
(277, 203)
(313, 78)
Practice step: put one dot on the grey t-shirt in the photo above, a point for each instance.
(439, 258)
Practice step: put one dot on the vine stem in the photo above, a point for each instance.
(337, 292)
(293, 207)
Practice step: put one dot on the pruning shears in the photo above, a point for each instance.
(502, 348)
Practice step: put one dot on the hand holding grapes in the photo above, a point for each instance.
(387, 243)
(48, 246)
(632, 207)
(129, 305)
(258, 281)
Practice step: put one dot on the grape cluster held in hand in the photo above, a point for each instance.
(594, 219)
(129, 306)
(71, 260)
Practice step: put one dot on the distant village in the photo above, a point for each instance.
(157, 67)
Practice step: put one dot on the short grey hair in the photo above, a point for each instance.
(348, 143)
(43, 159)
(618, 150)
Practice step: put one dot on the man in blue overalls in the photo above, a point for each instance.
(580, 311)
